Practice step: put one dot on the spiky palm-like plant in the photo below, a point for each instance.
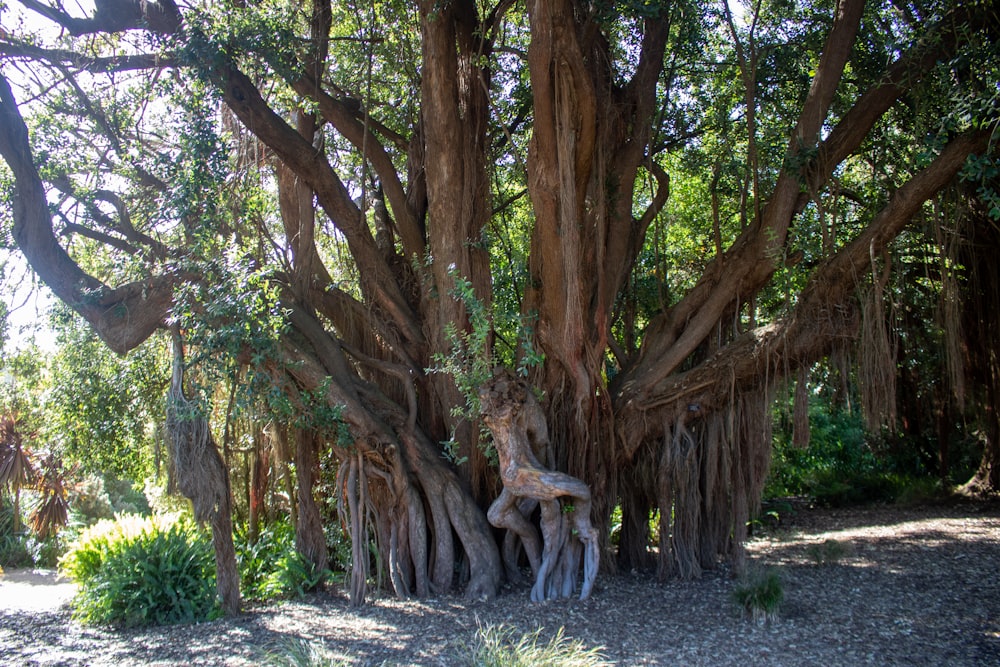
(52, 511)
(16, 471)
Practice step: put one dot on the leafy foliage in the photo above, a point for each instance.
(42, 474)
(94, 497)
(15, 546)
(102, 409)
(52, 510)
(137, 571)
(271, 567)
(16, 469)
(843, 465)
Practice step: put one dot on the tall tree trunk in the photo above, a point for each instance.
(454, 120)
(260, 464)
(981, 326)
(588, 142)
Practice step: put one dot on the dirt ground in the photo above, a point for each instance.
(903, 586)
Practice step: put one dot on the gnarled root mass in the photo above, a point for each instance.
(521, 438)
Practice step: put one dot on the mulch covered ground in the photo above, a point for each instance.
(869, 586)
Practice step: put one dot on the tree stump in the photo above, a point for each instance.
(520, 435)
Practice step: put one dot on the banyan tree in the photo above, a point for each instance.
(377, 211)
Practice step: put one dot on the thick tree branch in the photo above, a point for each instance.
(722, 282)
(242, 96)
(123, 317)
(345, 121)
(659, 198)
(750, 262)
(822, 316)
(112, 16)
(622, 236)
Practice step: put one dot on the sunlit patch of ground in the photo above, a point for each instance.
(34, 590)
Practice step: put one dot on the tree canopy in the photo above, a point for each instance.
(653, 214)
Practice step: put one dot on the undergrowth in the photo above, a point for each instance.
(491, 646)
(842, 467)
(304, 653)
(271, 568)
(828, 552)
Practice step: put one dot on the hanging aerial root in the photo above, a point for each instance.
(800, 410)
(198, 471)
(355, 489)
(687, 501)
(877, 355)
(710, 475)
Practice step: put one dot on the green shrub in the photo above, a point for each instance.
(498, 646)
(137, 571)
(98, 497)
(918, 490)
(840, 466)
(23, 549)
(838, 451)
(15, 551)
(293, 576)
(759, 594)
(271, 568)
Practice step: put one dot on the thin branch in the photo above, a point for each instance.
(662, 193)
(93, 64)
(70, 228)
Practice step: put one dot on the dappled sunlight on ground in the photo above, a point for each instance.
(872, 586)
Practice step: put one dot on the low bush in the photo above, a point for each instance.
(15, 548)
(137, 571)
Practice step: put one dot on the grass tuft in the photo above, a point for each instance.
(499, 646)
(760, 594)
(828, 552)
(305, 653)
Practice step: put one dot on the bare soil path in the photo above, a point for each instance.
(912, 586)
